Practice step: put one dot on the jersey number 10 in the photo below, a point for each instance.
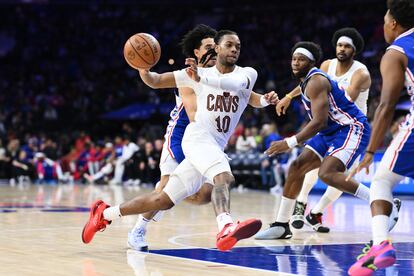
(223, 125)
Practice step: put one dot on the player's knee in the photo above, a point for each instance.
(204, 195)
(162, 201)
(225, 178)
(297, 166)
(325, 175)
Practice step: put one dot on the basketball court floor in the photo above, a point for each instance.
(41, 229)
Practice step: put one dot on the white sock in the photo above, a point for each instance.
(321, 205)
(158, 216)
(362, 192)
(112, 213)
(285, 209)
(380, 226)
(308, 183)
(141, 222)
(223, 219)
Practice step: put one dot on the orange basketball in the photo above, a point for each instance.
(142, 51)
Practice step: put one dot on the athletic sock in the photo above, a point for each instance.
(362, 192)
(285, 210)
(112, 213)
(380, 226)
(223, 219)
(141, 222)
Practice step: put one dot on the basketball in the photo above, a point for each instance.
(142, 51)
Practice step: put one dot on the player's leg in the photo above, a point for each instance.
(345, 147)
(210, 160)
(203, 196)
(185, 182)
(229, 232)
(308, 160)
(395, 164)
(136, 237)
(381, 254)
(298, 218)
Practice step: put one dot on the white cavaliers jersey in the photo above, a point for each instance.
(345, 80)
(219, 110)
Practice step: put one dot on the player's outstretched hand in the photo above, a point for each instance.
(143, 71)
(277, 147)
(192, 69)
(271, 97)
(282, 106)
(365, 163)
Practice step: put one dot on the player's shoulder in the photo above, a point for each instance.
(360, 69)
(250, 71)
(360, 64)
(325, 65)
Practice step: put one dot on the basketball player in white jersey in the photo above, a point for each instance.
(197, 43)
(222, 93)
(354, 79)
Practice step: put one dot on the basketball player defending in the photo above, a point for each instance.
(397, 71)
(353, 78)
(339, 132)
(222, 93)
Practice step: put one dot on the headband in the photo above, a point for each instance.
(304, 52)
(347, 40)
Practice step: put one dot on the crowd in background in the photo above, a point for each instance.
(62, 68)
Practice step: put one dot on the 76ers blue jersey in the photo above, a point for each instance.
(399, 155)
(175, 130)
(342, 112)
(405, 44)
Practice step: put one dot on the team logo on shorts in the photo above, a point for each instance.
(331, 148)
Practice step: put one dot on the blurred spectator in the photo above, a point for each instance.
(246, 141)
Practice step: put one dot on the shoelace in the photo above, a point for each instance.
(299, 208)
(139, 235)
(365, 250)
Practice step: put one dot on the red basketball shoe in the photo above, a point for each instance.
(96, 221)
(232, 233)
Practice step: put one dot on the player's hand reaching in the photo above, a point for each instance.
(282, 106)
(365, 163)
(277, 147)
(192, 71)
(143, 71)
(271, 97)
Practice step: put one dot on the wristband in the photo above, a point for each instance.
(289, 96)
(291, 141)
(370, 152)
(263, 101)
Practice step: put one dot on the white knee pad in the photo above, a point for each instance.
(382, 185)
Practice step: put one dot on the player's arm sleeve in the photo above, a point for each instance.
(182, 79)
(243, 81)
